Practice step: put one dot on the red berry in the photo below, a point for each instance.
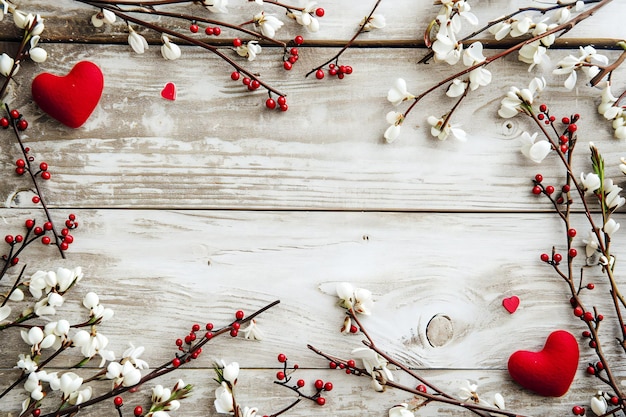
(292, 59)
(565, 120)
(217, 31)
(319, 12)
(328, 386)
(284, 107)
(14, 114)
(209, 326)
(118, 401)
(421, 388)
(179, 342)
(64, 246)
(287, 65)
(270, 103)
(538, 177)
(4, 122)
(22, 125)
(591, 370)
(280, 375)
(20, 171)
(299, 40)
(590, 286)
(47, 226)
(234, 332)
(46, 175)
(348, 69)
(195, 327)
(564, 148)
(341, 75)
(293, 51)
(208, 335)
(175, 362)
(69, 239)
(599, 317)
(38, 231)
(15, 261)
(320, 400)
(300, 383)
(20, 163)
(543, 108)
(575, 117)
(72, 217)
(319, 384)
(557, 257)
(236, 325)
(578, 311)
(43, 166)
(541, 116)
(572, 128)
(9, 239)
(545, 257)
(565, 188)
(572, 253)
(552, 118)
(237, 42)
(351, 363)
(593, 344)
(578, 410)
(29, 223)
(353, 329)
(254, 84)
(571, 232)
(536, 190)
(36, 199)
(600, 365)
(234, 75)
(138, 411)
(239, 315)
(246, 81)
(588, 316)
(19, 238)
(586, 333)
(45, 240)
(332, 71)
(193, 28)
(281, 100)
(209, 30)
(549, 189)
(614, 400)
(319, 74)
(563, 139)
(282, 358)
(36, 412)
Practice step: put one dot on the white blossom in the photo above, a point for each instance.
(249, 50)
(102, 17)
(97, 310)
(590, 182)
(598, 404)
(591, 243)
(26, 364)
(36, 338)
(610, 227)
(456, 88)
(47, 305)
(132, 355)
(125, 375)
(612, 198)
(518, 101)
(249, 412)
(305, 17)
(5, 311)
(533, 53)
(357, 299)
(467, 393)
(398, 93)
(252, 331)
(231, 372)
(442, 132)
(80, 396)
(169, 50)
(446, 47)
(70, 383)
(474, 55)
(223, 399)
(521, 27)
(137, 41)
(534, 150)
(588, 60)
(6, 64)
(500, 30)
(268, 24)
(375, 21)
(92, 344)
(400, 410)
(216, 6)
(395, 120)
(38, 54)
(375, 365)
(16, 295)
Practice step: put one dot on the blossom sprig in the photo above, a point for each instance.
(32, 26)
(456, 85)
(331, 66)
(373, 363)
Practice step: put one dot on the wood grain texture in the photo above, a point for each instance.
(190, 210)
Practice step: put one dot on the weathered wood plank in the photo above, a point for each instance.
(197, 266)
(217, 147)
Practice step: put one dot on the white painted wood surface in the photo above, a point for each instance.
(190, 210)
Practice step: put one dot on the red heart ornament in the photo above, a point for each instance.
(72, 98)
(549, 372)
(511, 303)
(169, 91)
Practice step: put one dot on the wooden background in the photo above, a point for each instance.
(192, 209)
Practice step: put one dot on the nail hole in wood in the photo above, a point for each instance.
(366, 237)
(439, 330)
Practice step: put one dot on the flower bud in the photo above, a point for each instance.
(38, 54)
(6, 64)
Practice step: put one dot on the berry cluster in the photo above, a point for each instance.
(348, 366)
(548, 190)
(340, 71)
(567, 139)
(16, 117)
(283, 378)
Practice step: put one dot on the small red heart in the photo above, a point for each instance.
(549, 372)
(169, 91)
(511, 303)
(72, 98)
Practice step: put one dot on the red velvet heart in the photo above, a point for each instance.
(511, 303)
(72, 98)
(549, 372)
